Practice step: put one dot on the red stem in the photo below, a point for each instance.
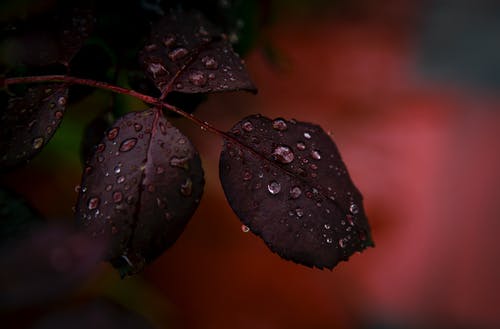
(124, 91)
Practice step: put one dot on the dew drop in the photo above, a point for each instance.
(274, 187)
(245, 229)
(179, 163)
(156, 68)
(210, 62)
(301, 146)
(128, 144)
(354, 209)
(198, 78)
(279, 124)
(58, 115)
(117, 197)
(295, 192)
(93, 203)
(283, 154)
(342, 243)
(37, 143)
(160, 170)
(316, 155)
(329, 240)
(120, 179)
(247, 175)
(307, 135)
(113, 133)
(169, 40)
(77, 188)
(117, 170)
(61, 101)
(108, 187)
(247, 126)
(137, 126)
(177, 54)
(299, 212)
(187, 187)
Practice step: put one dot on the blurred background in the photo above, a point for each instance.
(410, 92)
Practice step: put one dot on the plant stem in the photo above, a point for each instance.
(124, 91)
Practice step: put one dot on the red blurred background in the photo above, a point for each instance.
(424, 153)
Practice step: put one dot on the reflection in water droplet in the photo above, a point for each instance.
(329, 240)
(342, 243)
(295, 192)
(327, 226)
(354, 209)
(93, 203)
(177, 54)
(316, 155)
(61, 101)
(301, 146)
(113, 133)
(299, 212)
(307, 135)
(210, 62)
(198, 78)
(279, 124)
(274, 187)
(37, 143)
(245, 229)
(117, 170)
(120, 179)
(117, 197)
(58, 115)
(137, 126)
(128, 144)
(187, 187)
(283, 154)
(108, 187)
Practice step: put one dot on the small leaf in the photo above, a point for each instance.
(30, 121)
(186, 53)
(299, 197)
(140, 188)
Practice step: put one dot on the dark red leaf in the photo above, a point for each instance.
(299, 197)
(140, 188)
(29, 122)
(186, 53)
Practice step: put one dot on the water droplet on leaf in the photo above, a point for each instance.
(274, 187)
(283, 154)
(128, 144)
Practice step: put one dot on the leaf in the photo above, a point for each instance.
(299, 197)
(49, 264)
(186, 53)
(140, 188)
(29, 122)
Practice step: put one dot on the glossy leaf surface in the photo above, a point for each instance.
(186, 53)
(30, 121)
(140, 188)
(299, 197)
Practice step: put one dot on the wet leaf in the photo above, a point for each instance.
(45, 266)
(299, 197)
(17, 218)
(140, 188)
(30, 121)
(93, 134)
(186, 53)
